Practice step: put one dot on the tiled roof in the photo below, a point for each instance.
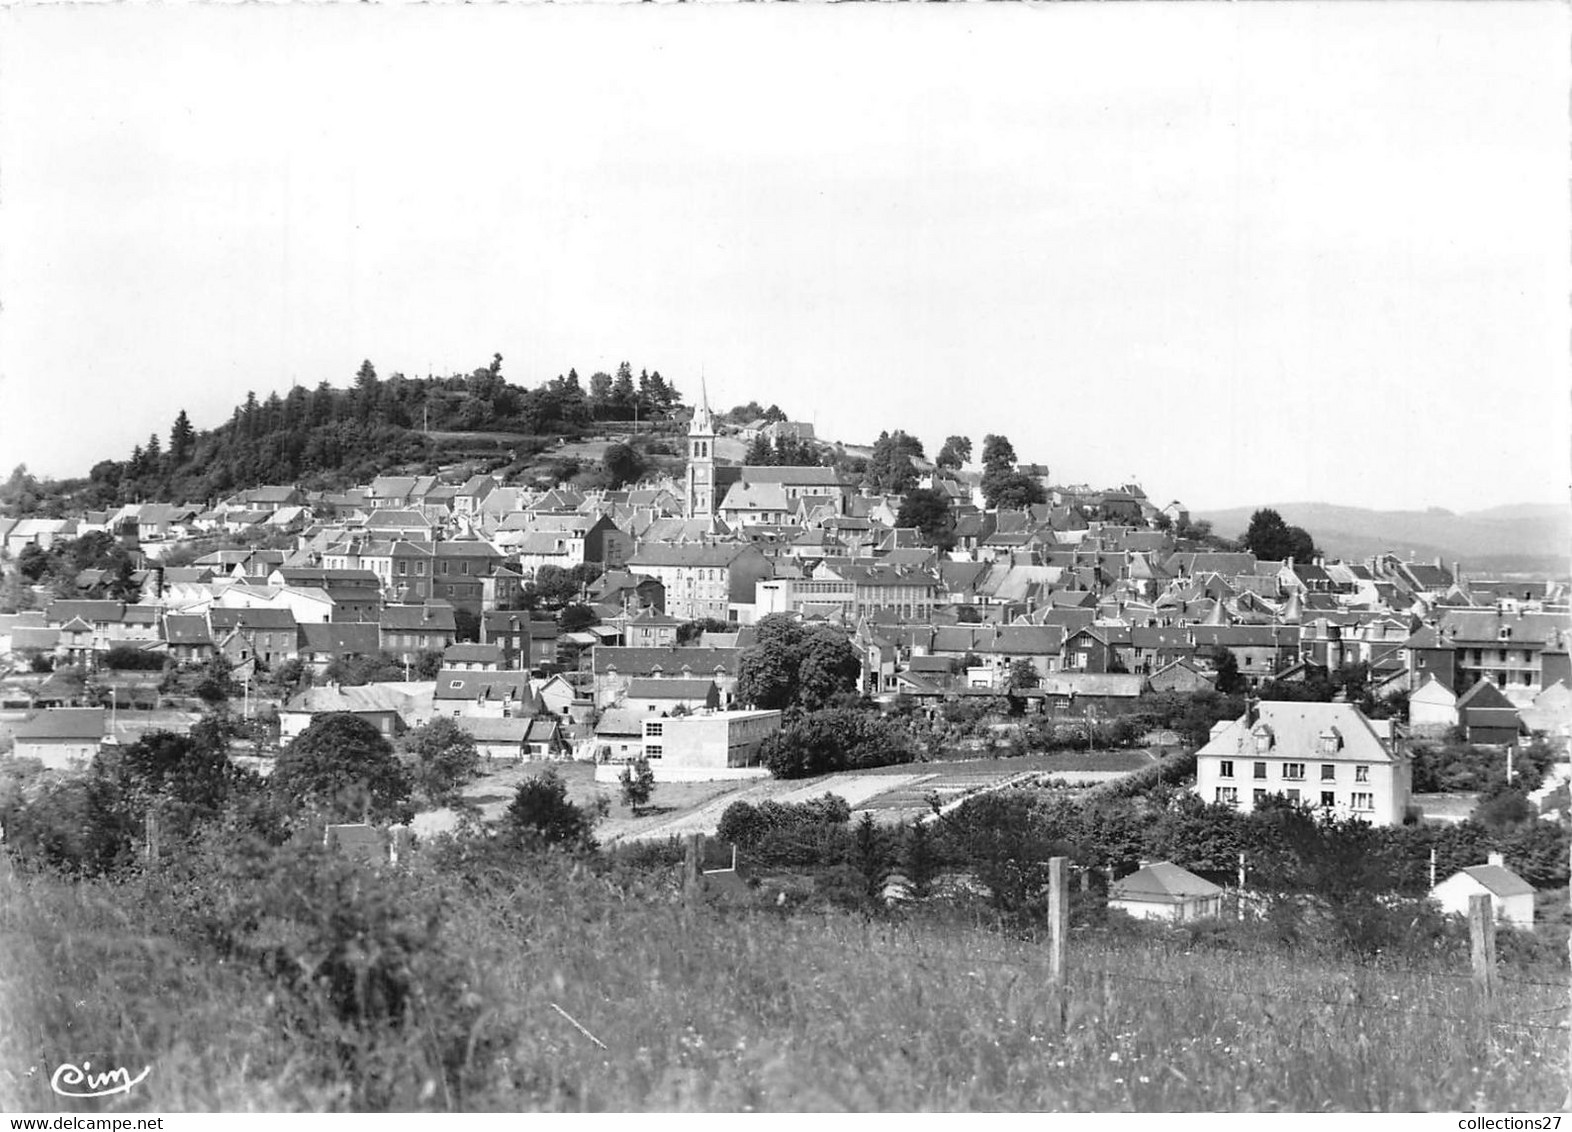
(63, 723)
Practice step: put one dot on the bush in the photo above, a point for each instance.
(781, 833)
(130, 659)
(835, 739)
(541, 816)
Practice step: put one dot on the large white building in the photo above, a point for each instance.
(1327, 756)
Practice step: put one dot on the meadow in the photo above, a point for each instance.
(463, 982)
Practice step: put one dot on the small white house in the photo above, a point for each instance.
(62, 738)
(1164, 891)
(1432, 706)
(1511, 896)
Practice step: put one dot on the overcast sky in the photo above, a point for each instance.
(1242, 253)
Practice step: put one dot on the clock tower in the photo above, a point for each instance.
(701, 462)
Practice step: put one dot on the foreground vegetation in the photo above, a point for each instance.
(416, 990)
(169, 910)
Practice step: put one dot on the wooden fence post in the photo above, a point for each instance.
(1482, 943)
(692, 864)
(1058, 933)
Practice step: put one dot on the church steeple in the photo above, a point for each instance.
(701, 460)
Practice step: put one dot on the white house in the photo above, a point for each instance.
(1164, 891)
(1432, 706)
(62, 738)
(1328, 756)
(1511, 896)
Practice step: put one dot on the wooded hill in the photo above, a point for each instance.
(327, 438)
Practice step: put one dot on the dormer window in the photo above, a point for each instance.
(1504, 633)
(1263, 739)
(1330, 741)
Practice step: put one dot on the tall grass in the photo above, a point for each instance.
(731, 1006)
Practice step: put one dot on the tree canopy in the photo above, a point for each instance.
(793, 665)
(929, 512)
(343, 766)
(1002, 485)
(1271, 539)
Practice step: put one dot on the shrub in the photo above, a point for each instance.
(835, 739)
(127, 658)
(540, 815)
(342, 765)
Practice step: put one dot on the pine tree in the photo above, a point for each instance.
(181, 437)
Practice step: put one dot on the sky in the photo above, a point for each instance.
(1240, 253)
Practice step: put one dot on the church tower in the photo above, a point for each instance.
(701, 462)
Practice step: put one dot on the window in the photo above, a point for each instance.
(1328, 772)
(455, 683)
(1294, 771)
(654, 729)
(1293, 796)
(1225, 769)
(1361, 774)
(1328, 799)
(1258, 796)
(1227, 795)
(1260, 770)
(1364, 801)
(652, 750)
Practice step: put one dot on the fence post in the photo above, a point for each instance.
(1058, 933)
(692, 864)
(1482, 943)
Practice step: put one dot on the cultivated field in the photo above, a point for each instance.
(891, 794)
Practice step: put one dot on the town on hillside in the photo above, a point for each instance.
(991, 610)
(332, 740)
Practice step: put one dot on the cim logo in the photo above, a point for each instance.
(72, 1081)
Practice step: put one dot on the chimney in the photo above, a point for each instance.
(1496, 859)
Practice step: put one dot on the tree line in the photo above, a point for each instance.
(328, 437)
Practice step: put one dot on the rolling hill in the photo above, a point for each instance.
(1517, 538)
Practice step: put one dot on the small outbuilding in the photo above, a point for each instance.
(1164, 891)
(62, 738)
(1511, 896)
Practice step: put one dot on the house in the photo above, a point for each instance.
(664, 697)
(704, 580)
(1432, 707)
(271, 636)
(1180, 676)
(1511, 897)
(615, 669)
(476, 694)
(189, 639)
(409, 630)
(390, 711)
(525, 643)
(319, 645)
(459, 567)
(518, 737)
(649, 628)
(61, 738)
(1164, 891)
(619, 736)
(1326, 755)
(1487, 716)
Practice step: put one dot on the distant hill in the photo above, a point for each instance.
(1523, 537)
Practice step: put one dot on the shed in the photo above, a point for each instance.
(1164, 891)
(62, 738)
(1511, 896)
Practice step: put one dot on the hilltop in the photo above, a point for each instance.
(1528, 537)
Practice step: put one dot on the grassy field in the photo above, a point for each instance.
(744, 1008)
